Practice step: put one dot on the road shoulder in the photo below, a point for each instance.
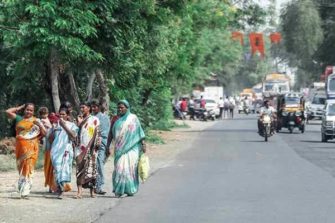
(42, 205)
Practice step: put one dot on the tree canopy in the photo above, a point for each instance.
(308, 32)
(145, 51)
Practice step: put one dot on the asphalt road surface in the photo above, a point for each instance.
(231, 175)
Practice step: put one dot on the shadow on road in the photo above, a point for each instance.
(230, 130)
(257, 141)
(288, 133)
(311, 141)
(223, 130)
(297, 132)
(241, 119)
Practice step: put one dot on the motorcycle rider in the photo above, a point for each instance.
(267, 109)
(245, 104)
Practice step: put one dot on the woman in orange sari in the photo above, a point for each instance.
(28, 132)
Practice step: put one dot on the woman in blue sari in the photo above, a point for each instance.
(128, 144)
(63, 133)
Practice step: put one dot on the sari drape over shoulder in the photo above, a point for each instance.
(26, 151)
(62, 155)
(128, 135)
(86, 152)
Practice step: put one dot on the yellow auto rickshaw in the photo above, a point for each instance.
(291, 112)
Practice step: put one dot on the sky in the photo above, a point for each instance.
(279, 2)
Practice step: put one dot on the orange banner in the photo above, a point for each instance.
(237, 36)
(275, 37)
(257, 43)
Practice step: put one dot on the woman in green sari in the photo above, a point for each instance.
(128, 144)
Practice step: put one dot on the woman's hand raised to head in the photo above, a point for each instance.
(21, 107)
(11, 112)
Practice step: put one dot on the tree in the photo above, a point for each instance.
(303, 34)
(51, 33)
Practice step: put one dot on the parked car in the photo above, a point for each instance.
(211, 104)
(328, 121)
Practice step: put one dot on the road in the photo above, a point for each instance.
(231, 175)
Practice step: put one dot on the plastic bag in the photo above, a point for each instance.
(143, 167)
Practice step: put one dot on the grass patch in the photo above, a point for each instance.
(168, 125)
(154, 138)
(181, 125)
(163, 125)
(7, 162)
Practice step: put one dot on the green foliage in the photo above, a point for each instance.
(153, 138)
(39, 26)
(303, 34)
(149, 51)
(325, 53)
(302, 29)
(249, 15)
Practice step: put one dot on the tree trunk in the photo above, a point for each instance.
(53, 77)
(73, 90)
(103, 94)
(89, 87)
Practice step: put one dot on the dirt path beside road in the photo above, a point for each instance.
(42, 206)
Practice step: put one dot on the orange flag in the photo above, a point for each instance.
(275, 37)
(237, 36)
(257, 43)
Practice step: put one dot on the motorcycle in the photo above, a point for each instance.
(209, 114)
(246, 109)
(203, 114)
(295, 120)
(266, 130)
(199, 114)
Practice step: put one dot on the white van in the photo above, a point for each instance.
(316, 105)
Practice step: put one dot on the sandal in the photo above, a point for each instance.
(118, 195)
(92, 191)
(77, 196)
(60, 196)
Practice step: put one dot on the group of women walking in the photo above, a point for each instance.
(82, 139)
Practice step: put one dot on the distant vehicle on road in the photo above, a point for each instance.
(211, 104)
(246, 106)
(314, 88)
(276, 83)
(316, 105)
(328, 121)
(213, 92)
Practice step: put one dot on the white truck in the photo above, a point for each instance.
(276, 83)
(213, 92)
